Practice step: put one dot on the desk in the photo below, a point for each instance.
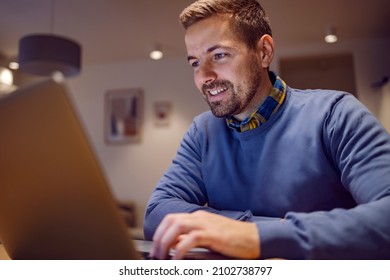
(145, 246)
(3, 253)
(142, 247)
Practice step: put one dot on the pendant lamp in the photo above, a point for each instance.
(44, 54)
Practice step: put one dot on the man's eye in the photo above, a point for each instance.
(218, 56)
(194, 64)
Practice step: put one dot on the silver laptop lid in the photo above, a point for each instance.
(54, 199)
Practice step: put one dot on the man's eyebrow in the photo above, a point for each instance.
(190, 57)
(209, 50)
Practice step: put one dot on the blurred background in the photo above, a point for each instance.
(117, 36)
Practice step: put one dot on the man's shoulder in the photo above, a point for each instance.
(317, 93)
(321, 105)
(323, 98)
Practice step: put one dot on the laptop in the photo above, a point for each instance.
(55, 202)
(54, 198)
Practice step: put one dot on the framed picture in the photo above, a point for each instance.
(123, 115)
(162, 113)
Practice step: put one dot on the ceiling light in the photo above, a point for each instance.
(6, 81)
(13, 65)
(330, 35)
(156, 54)
(43, 54)
(6, 77)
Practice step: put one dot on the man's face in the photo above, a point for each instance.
(226, 72)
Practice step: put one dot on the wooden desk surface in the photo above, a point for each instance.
(143, 246)
(3, 253)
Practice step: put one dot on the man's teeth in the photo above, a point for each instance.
(216, 91)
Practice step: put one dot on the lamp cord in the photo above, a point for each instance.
(52, 16)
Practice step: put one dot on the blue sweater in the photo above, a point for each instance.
(321, 163)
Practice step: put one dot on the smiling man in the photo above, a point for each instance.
(226, 71)
(271, 171)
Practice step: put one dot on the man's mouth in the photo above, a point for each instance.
(217, 91)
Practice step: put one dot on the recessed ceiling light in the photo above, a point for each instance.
(330, 35)
(156, 53)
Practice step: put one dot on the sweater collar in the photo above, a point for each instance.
(269, 107)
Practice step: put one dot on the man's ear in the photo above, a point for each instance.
(266, 49)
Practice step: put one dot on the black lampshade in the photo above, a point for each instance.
(43, 54)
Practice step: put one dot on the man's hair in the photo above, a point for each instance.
(248, 18)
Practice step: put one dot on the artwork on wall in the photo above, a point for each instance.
(123, 115)
(162, 113)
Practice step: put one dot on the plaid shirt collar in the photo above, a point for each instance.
(269, 106)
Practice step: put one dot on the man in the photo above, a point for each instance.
(273, 171)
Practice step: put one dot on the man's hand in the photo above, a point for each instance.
(203, 229)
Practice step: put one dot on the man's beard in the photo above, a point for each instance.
(239, 98)
(222, 108)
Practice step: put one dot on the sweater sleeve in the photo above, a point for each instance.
(181, 188)
(360, 149)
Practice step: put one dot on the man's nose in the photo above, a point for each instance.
(206, 74)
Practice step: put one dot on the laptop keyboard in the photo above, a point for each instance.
(147, 256)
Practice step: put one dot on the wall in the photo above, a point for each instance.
(371, 59)
(384, 111)
(329, 71)
(134, 169)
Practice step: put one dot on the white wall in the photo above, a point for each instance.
(134, 169)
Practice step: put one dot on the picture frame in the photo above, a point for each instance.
(162, 111)
(123, 115)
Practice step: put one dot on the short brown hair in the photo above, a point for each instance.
(248, 18)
